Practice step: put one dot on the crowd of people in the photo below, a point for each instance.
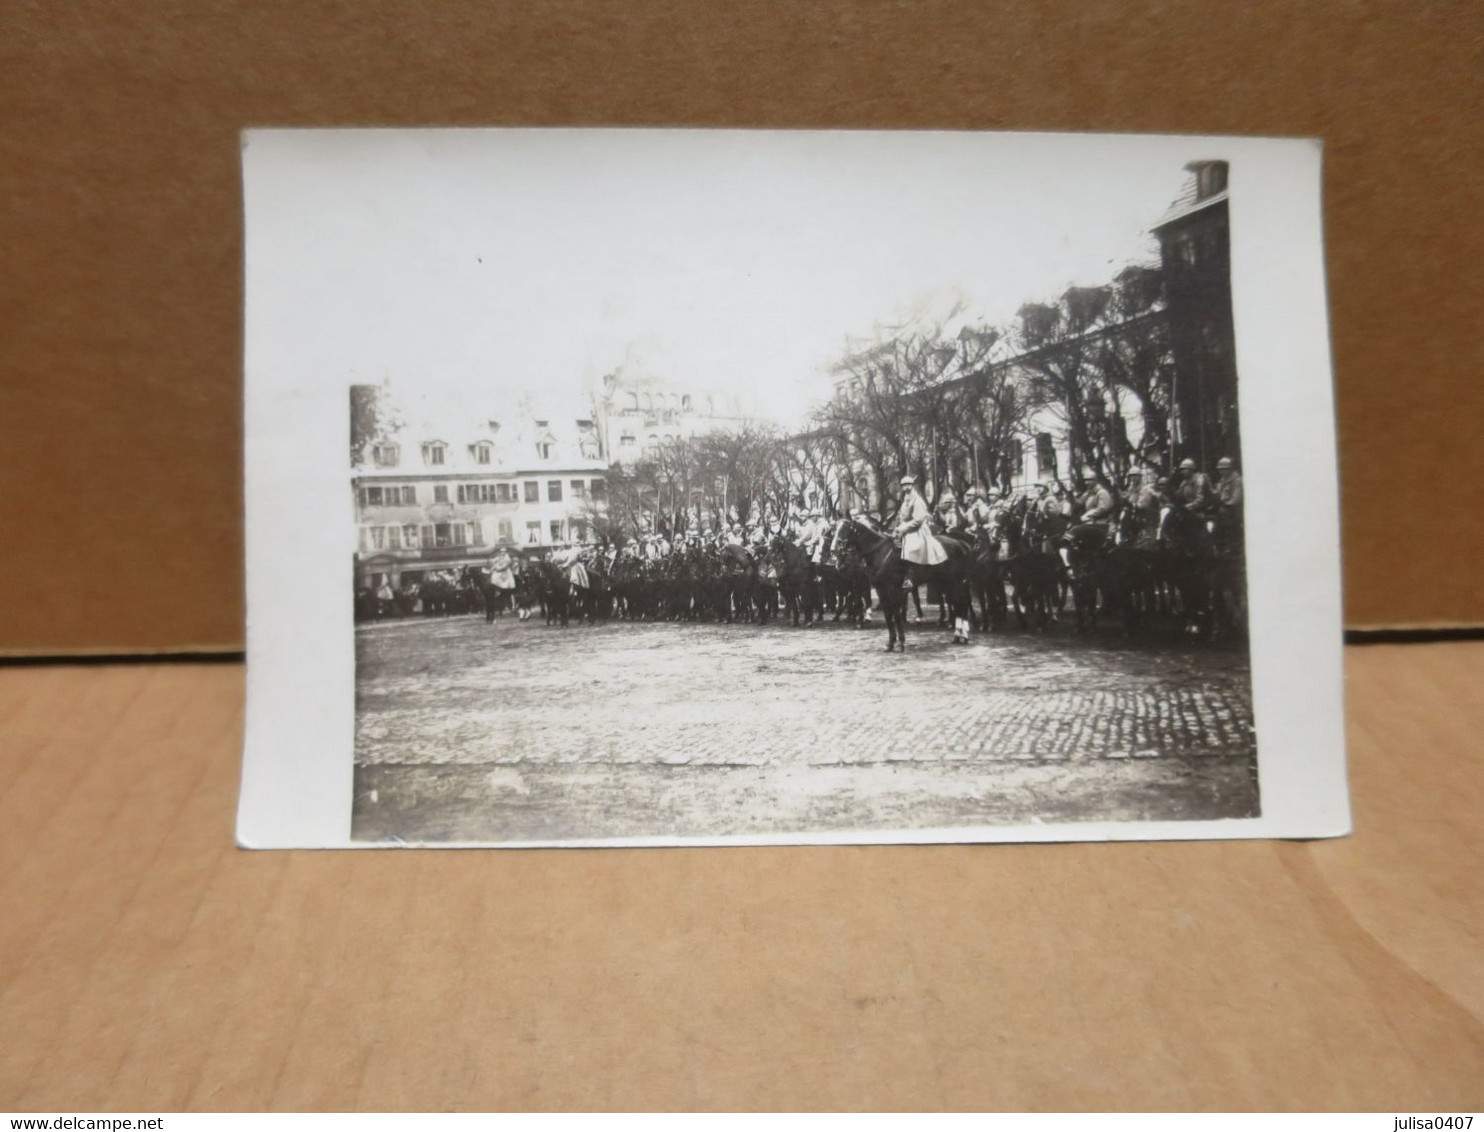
(1076, 523)
(1084, 514)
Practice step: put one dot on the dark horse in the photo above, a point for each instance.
(844, 571)
(742, 587)
(593, 602)
(889, 572)
(987, 580)
(796, 583)
(496, 599)
(556, 592)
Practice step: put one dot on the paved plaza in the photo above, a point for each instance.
(513, 731)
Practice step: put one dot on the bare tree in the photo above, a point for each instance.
(1061, 347)
(735, 465)
(627, 508)
(1092, 352)
(1137, 361)
(936, 406)
(891, 406)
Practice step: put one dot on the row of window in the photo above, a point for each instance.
(414, 536)
(529, 491)
(627, 441)
(387, 454)
(631, 402)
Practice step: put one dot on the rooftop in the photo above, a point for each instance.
(1205, 187)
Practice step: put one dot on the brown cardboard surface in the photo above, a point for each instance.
(120, 359)
(147, 965)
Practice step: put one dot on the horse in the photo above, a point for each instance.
(594, 600)
(740, 577)
(437, 597)
(528, 591)
(987, 579)
(1123, 573)
(888, 572)
(633, 589)
(502, 587)
(556, 592)
(491, 596)
(1229, 574)
(846, 572)
(1183, 559)
(796, 583)
(768, 604)
(369, 607)
(1108, 573)
(404, 600)
(1034, 573)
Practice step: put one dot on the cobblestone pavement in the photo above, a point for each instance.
(515, 731)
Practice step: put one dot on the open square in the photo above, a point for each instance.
(513, 731)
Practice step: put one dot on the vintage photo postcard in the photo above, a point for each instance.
(667, 487)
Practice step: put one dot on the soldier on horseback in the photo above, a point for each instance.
(1089, 534)
(913, 527)
(1228, 487)
(1227, 508)
(950, 517)
(818, 533)
(572, 561)
(1190, 488)
(978, 514)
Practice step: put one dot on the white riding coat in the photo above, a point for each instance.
(919, 544)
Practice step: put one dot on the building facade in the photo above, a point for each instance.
(441, 490)
(638, 412)
(1166, 327)
(1195, 250)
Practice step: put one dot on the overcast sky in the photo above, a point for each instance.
(542, 259)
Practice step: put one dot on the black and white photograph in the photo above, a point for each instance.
(705, 486)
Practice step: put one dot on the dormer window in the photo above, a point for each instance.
(385, 455)
(483, 452)
(435, 453)
(1210, 179)
(545, 442)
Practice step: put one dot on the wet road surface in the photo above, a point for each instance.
(467, 731)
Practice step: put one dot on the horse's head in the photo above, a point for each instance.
(1177, 524)
(841, 537)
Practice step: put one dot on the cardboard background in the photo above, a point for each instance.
(149, 966)
(120, 355)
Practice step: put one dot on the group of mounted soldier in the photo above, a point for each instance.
(1164, 547)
